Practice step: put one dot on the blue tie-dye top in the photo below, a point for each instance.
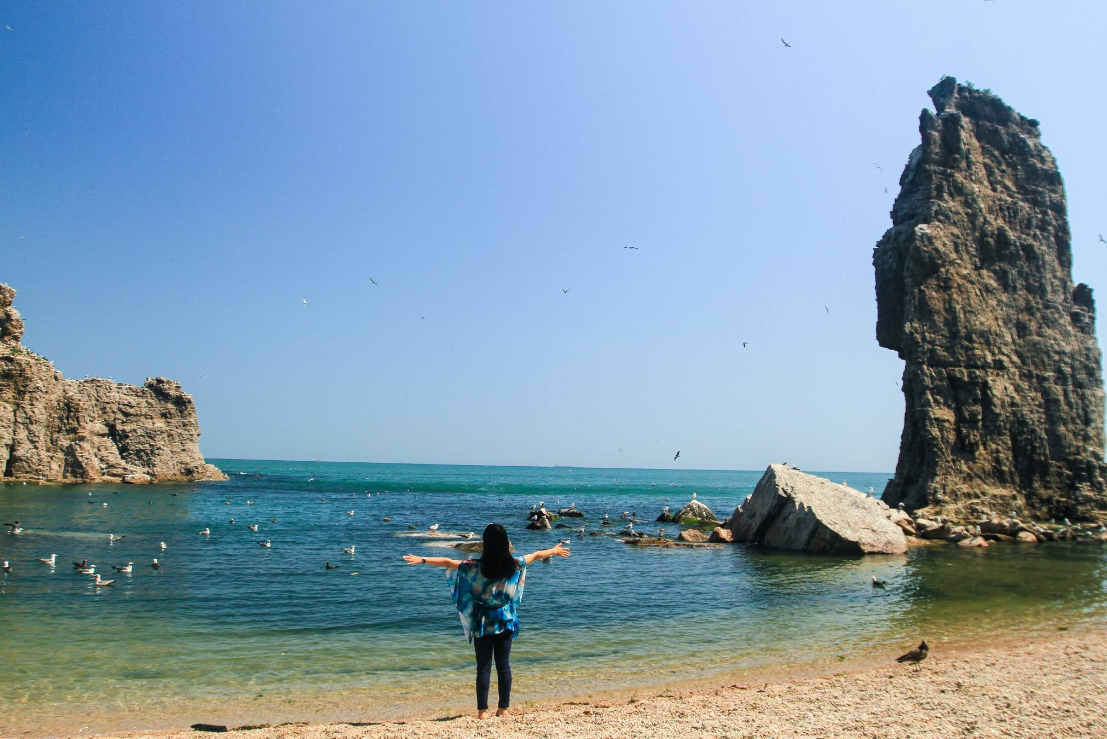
(485, 606)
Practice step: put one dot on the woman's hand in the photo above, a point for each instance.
(411, 559)
(560, 551)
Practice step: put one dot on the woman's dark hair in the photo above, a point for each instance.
(496, 562)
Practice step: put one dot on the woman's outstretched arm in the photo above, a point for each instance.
(449, 564)
(558, 551)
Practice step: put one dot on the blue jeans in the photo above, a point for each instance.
(487, 647)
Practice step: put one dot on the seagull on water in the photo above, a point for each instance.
(80, 565)
(114, 538)
(7, 568)
(99, 582)
(125, 569)
(386, 519)
(332, 567)
(564, 542)
(162, 545)
(90, 570)
(349, 513)
(205, 532)
(878, 583)
(253, 527)
(155, 564)
(917, 655)
(265, 544)
(48, 560)
(349, 549)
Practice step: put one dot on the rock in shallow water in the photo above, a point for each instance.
(792, 510)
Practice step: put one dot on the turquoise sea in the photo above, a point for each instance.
(227, 631)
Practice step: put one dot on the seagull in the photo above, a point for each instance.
(564, 291)
(630, 247)
(332, 567)
(826, 309)
(579, 531)
(786, 43)
(878, 166)
(676, 456)
(126, 568)
(205, 532)
(386, 519)
(7, 568)
(232, 522)
(1101, 239)
(349, 549)
(98, 582)
(265, 544)
(80, 565)
(253, 527)
(661, 533)
(48, 560)
(162, 545)
(305, 301)
(1067, 522)
(744, 344)
(878, 583)
(374, 282)
(114, 538)
(412, 526)
(468, 535)
(90, 570)
(433, 527)
(564, 542)
(8, 27)
(155, 564)
(349, 513)
(915, 656)
(693, 496)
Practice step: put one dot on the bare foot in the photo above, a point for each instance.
(501, 711)
(482, 715)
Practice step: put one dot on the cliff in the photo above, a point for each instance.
(94, 430)
(1002, 376)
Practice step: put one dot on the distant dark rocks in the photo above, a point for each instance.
(572, 512)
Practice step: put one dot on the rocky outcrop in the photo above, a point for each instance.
(1002, 377)
(792, 510)
(93, 430)
(694, 512)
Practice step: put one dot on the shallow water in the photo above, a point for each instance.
(230, 632)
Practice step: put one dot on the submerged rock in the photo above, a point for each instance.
(1002, 377)
(792, 510)
(92, 430)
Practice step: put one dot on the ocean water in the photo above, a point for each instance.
(227, 631)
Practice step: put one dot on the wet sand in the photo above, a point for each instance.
(1053, 687)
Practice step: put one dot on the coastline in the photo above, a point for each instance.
(1011, 687)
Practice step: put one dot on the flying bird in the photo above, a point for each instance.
(676, 456)
(786, 43)
(564, 291)
(826, 309)
(878, 166)
(630, 247)
(374, 282)
(1101, 239)
(305, 301)
(917, 655)
(744, 343)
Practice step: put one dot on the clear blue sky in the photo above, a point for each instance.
(178, 176)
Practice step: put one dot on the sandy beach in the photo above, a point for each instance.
(1049, 687)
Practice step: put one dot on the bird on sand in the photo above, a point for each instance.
(155, 564)
(48, 560)
(676, 456)
(917, 655)
(349, 549)
(332, 567)
(786, 43)
(98, 582)
(125, 568)
(878, 583)
(265, 544)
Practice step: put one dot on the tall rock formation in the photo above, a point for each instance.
(58, 430)
(1003, 386)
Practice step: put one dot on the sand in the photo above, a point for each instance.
(1052, 688)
